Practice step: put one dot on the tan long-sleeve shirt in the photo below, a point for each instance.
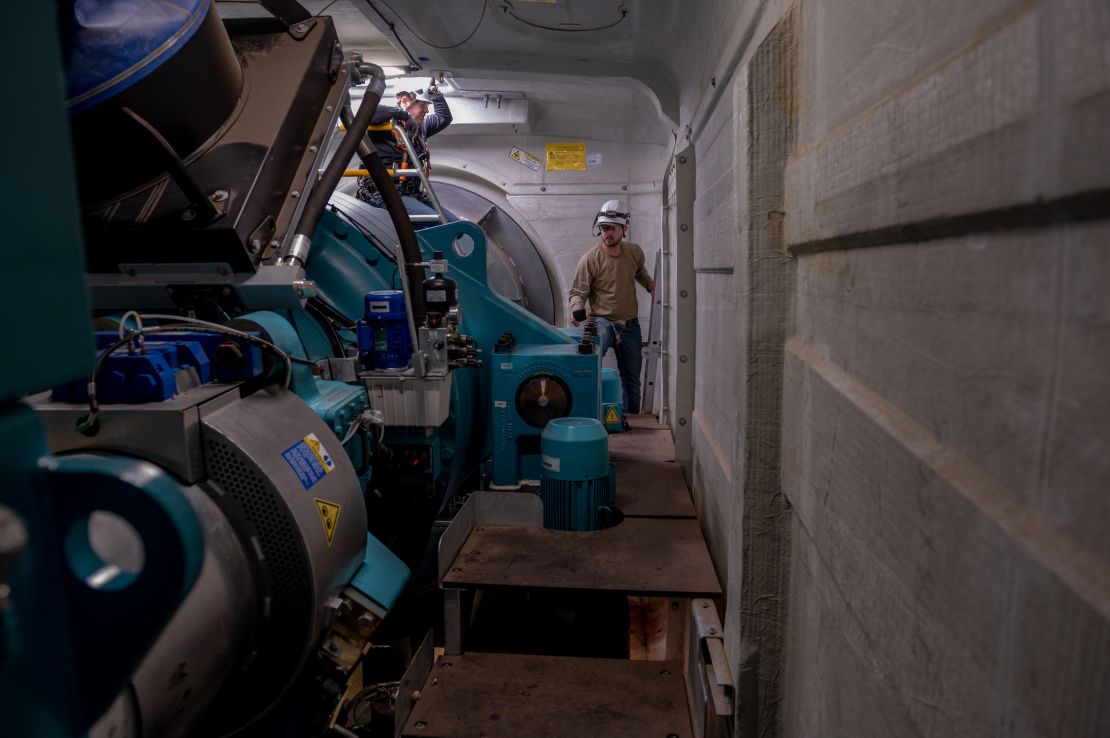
(609, 282)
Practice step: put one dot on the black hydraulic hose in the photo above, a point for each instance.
(321, 193)
(406, 234)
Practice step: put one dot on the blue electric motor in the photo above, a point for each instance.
(383, 333)
(612, 403)
(577, 482)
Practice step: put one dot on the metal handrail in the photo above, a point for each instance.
(420, 173)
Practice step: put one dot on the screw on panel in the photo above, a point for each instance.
(682, 421)
(313, 148)
(684, 227)
(682, 160)
(683, 293)
(422, 724)
(218, 196)
(188, 214)
(295, 193)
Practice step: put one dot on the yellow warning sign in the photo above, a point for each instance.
(566, 157)
(611, 416)
(321, 452)
(329, 516)
(523, 157)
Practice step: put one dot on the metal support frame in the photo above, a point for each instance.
(481, 508)
(653, 348)
(683, 318)
(408, 692)
(710, 687)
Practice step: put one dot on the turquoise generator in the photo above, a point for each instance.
(577, 482)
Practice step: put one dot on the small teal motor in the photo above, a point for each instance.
(612, 404)
(577, 482)
(384, 341)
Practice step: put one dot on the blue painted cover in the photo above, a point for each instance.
(150, 376)
(382, 575)
(109, 46)
(384, 341)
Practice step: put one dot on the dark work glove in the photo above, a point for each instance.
(579, 314)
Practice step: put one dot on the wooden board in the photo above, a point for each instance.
(653, 489)
(640, 444)
(641, 556)
(509, 696)
(645, 422)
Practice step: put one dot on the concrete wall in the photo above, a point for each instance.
(900, 444)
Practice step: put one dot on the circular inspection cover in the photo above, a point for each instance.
(542, 398)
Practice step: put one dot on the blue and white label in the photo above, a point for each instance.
(309, 460)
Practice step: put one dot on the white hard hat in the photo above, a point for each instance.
(613, 211)
(415, 97)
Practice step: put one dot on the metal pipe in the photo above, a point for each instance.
(396, 208)
(406, 290)
(321, 193)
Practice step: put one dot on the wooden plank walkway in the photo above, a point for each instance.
(641, 556)
(509, 696)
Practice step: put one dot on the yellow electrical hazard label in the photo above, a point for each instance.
(611, 416)
(329, 516)
(566, 157)
(321, 453)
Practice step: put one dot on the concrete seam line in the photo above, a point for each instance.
(1087, 575)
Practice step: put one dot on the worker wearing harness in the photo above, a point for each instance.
(413, 114)
(606, 277)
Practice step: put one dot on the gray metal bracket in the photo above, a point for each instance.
(710, 685)
(653, 348)
(408, 691)
(520, 509)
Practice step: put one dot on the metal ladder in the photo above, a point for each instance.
(410, 172)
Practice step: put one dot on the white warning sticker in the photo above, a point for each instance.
(524, 158)
(551, 463)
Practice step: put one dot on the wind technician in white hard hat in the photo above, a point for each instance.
(606, 277)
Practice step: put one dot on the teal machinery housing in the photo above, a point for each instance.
(215, 431)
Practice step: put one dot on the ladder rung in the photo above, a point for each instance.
(364, 172)
(387, 126)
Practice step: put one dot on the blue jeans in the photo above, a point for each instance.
(626, 342)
